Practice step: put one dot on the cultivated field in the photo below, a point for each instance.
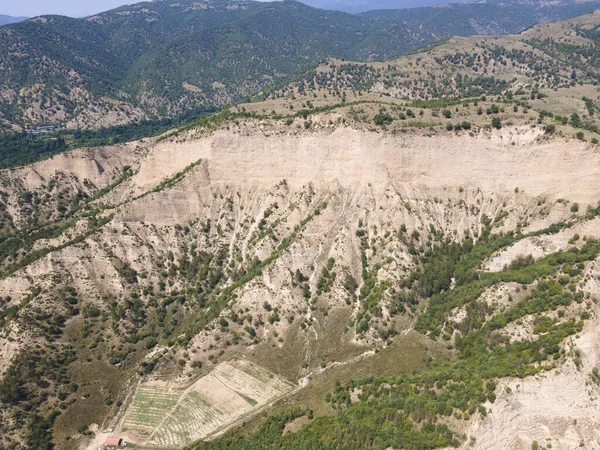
(162, 417)
(148, 409)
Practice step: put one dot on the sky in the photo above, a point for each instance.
(73, 8)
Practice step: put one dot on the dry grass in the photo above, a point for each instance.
(160, 416)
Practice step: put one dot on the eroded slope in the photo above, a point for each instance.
(290, 248)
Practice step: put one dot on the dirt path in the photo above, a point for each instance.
(302, 383)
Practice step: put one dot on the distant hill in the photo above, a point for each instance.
(5, 20)
(490, 18)
(162, 59)
(359, 6)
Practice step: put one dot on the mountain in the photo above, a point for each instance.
(359, 6)
(4, 20)
(489, 18)
(397, 254)
(161, 59)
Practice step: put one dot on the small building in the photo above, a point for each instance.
(113, 441)
(46, 129)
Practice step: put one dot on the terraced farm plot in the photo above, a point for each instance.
(148, 409)
(192, 419)
(164, 418)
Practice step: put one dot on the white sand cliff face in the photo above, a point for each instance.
(361, 175)
(498, 161)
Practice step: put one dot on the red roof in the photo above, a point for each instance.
(112, 441)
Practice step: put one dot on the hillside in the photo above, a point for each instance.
(360, 6)
(156, 60)
(375, 255)
(550, 68)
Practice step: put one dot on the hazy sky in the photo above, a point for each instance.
(73, 8)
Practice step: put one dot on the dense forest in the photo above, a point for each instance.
(17, 149)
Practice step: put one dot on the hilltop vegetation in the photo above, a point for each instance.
(545, 75)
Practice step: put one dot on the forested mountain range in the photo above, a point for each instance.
(163, 59)
(360, 6)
